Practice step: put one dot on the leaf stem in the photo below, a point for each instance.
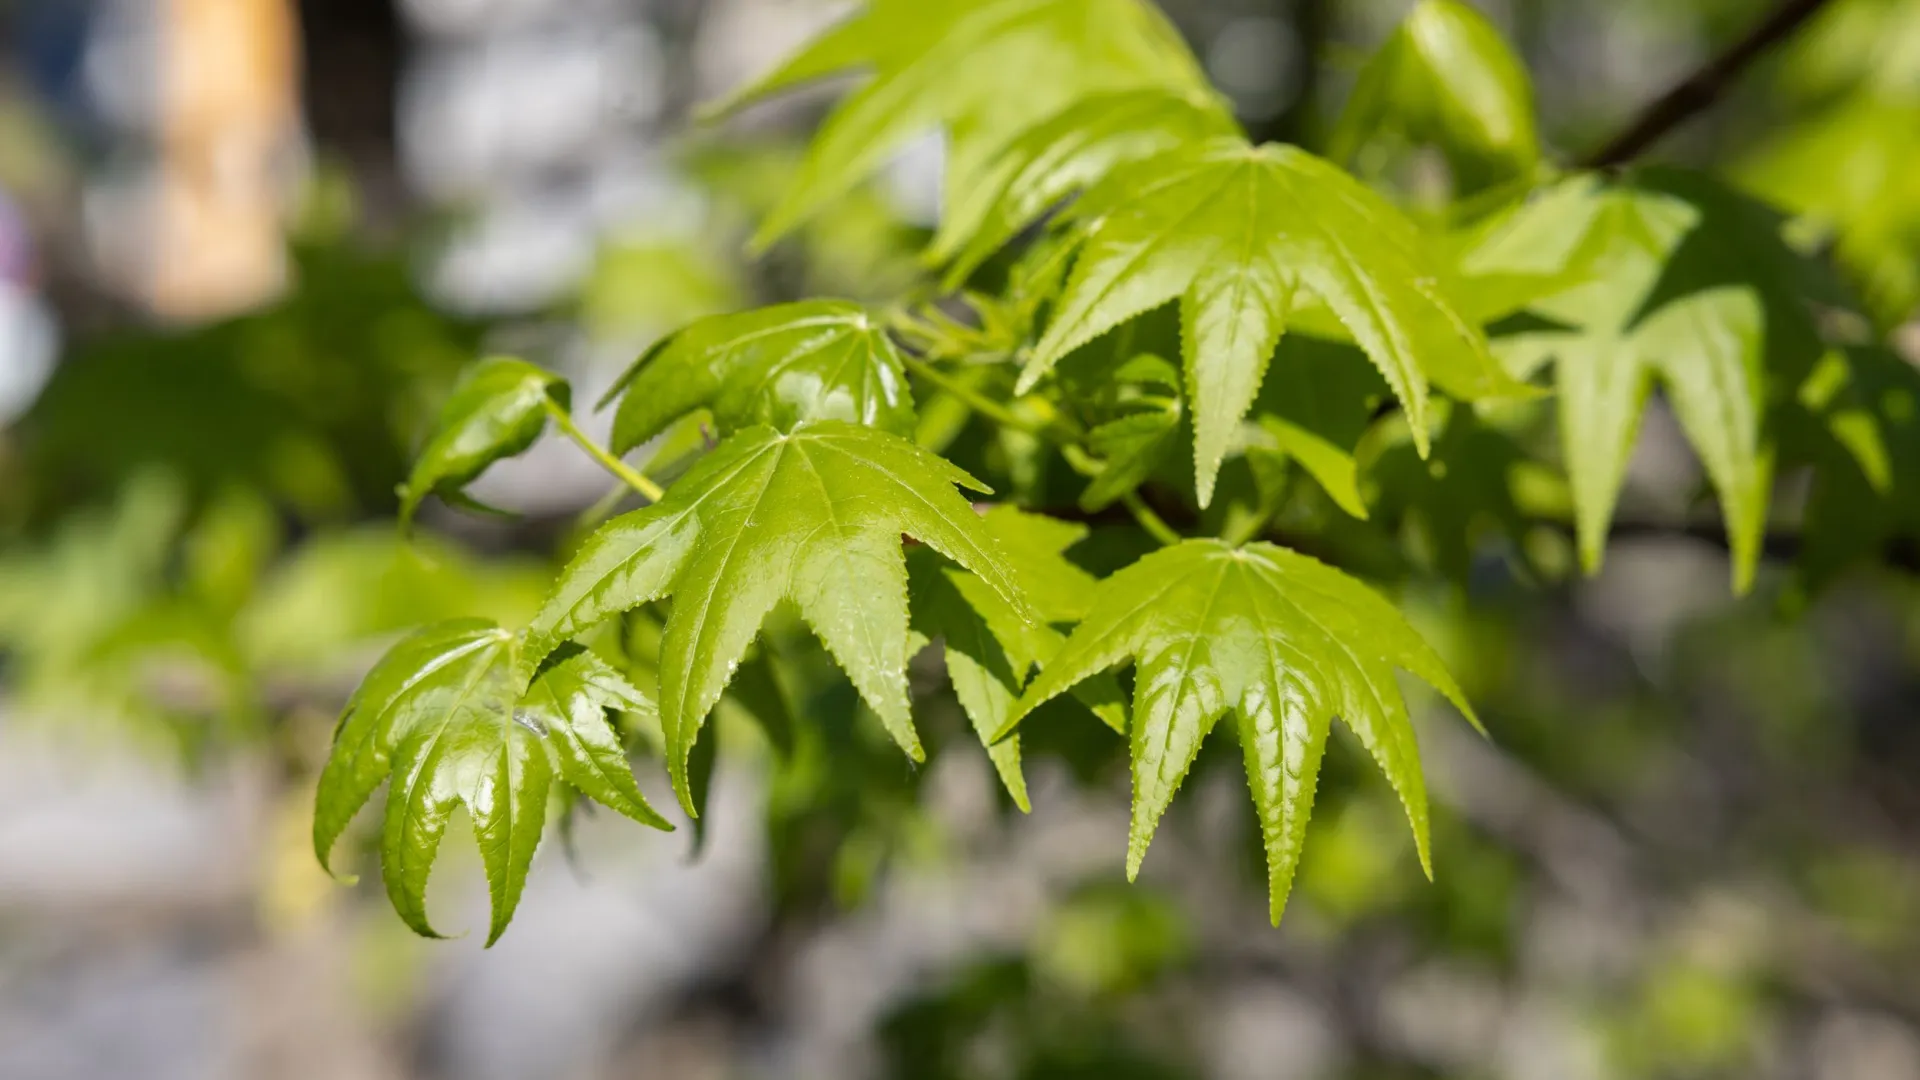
(1059, 430)
(974, 399)
(626, 473)
(1143, 515)
(1153, 523)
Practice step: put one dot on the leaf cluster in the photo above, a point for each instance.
(1136, 322)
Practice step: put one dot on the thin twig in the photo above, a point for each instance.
(626, 473)
(1704, 87)
(974, 399)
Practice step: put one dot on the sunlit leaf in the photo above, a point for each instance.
(1284, 643)
(1236, 232)
(778, 366)
(814, 517)
(442, 716)
(1065, 154)
(951, 64)
(497, 411)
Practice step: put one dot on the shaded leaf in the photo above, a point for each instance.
(1283, 642)
(1316, 404)
(1132, 448)
(1692, 285)
(990, 648)
(1443, 508)
(1862, 497)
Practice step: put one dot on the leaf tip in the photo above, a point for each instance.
(1036, 367)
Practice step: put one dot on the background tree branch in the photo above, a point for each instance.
(1698, 91)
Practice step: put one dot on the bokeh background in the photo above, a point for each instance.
(245, 245)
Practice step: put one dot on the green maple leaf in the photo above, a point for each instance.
(947, 64)
(1688, 284)
(442, 714)
(498, 410)
(1064, 154)
(1284, 643)
(991, 648)
(814, 517)
(1447, 78)
(1242, 235)
(779, 366)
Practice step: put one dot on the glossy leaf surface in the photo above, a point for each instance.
(442, 717)
(1241, 234)
(1284, 643)
(497, 411)
(813, 517)
(778, 366)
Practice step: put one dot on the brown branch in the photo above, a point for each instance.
(1704, 87)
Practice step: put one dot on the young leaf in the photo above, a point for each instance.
(1136, 421)
(1283, 642)
(779, 366)
(1237, 232)
(1446, 77)
(1691, 284)
(441, 714)
(497, 411)
(1064, 154)
(982, 70)
(813, 516)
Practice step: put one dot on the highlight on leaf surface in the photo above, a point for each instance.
(981, 71)
(778, 366)
(1283, 642)
(442, 716)
(498, 410)
(1064, 154)
(1687, 283)
(1242, 235)
(1445, 77)
(813, 517)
